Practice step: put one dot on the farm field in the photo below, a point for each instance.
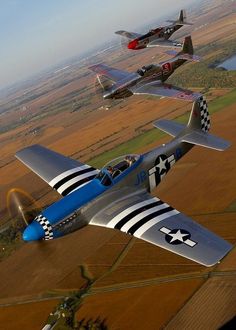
(129, 276)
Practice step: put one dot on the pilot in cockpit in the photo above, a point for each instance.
(144, 69)
(113, 171)
(130, 160)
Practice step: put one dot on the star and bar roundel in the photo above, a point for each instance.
(160, 169)
(177, 236)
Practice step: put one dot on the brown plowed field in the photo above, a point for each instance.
(210, 308)
(18, 316)
(35, 268)
(139, 308)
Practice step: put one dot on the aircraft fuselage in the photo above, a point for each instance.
(149, 73)
(158, 33)
(75, 210)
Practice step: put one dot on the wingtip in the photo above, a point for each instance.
(19, 152)
(227, 145)
(94, 66)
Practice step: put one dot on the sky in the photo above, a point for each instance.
(38, 34)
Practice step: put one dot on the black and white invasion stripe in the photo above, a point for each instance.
(73, 179)
(138, 218)
(48, 232)
(205, 117)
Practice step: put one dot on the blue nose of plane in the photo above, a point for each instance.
(33, 232)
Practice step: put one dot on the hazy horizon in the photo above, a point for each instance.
(38, 35)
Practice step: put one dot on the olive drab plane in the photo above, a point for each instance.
(156, 37)
(117, 84)
(118, 196)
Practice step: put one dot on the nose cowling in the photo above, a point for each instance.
(133, 44)
(34, 232)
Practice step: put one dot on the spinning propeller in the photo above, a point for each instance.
(101, 85)
(22, 209)
(124, 44)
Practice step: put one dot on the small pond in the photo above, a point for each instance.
(229, 64)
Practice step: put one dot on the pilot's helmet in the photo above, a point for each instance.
(130, 159)
(110, 169)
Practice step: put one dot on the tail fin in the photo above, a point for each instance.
(200, 117)
(196, 131)
(187, 52)
(187, 46)
(182, 19)
(182, 16)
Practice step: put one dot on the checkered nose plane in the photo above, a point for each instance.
(118, 196)
(34, 232)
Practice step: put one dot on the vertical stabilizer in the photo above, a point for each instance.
(187, 46)
(182, 19)
(182, 16)
(199, 117)
(187, 52)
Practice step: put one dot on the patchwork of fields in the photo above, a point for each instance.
(131, 277)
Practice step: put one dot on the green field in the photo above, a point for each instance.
(205, 73)
(131, 146)
(224, 101)
(147, 138)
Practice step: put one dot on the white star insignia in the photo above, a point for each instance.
(162, 165)
(177, 236)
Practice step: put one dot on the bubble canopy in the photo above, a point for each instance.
(116, 167)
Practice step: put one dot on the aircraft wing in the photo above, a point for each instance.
(154, 221)
(61, 173)
(109, 72)
(164, 43)
(157, 88)
(129, 35)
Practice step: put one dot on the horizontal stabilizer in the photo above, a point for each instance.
(164, 43)
(188, 57)
(168, 126)
(157, 88)
(171, 52)
(187, 23)
(207, 140)
(196, 136)
(179, 56)
(128, 35)
(178, 22)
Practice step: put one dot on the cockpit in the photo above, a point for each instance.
(145, 69)
(115, 168)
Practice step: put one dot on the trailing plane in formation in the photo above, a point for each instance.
(116, 84)
(118, 195)
(156, 37)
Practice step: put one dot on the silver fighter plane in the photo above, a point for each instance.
(158, 37)
(118, 196)
(117, 84)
